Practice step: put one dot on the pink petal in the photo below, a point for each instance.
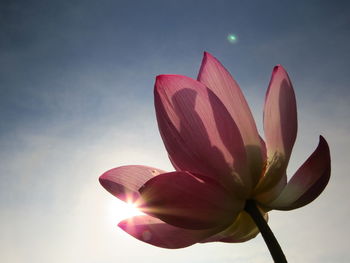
(155, 232)
(308, 182)
(269, 186)
(280, 125)
(280, 115)
(188, 201)
(198, 132)
(214, 75)
(241, 230)
(125, 181)
(263, 149)
(273, 192)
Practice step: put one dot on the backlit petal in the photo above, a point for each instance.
(308, 182)
(280, 115)
(155, 232)
(214, 75)
(184, 200)
(198, 132)
(241, 230)
(280, 126)
(272, 193)
(125, 181)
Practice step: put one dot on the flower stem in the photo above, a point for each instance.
(270, 240)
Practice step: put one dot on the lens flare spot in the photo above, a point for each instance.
(232, 38)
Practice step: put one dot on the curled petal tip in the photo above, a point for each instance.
(103, 179)
(100, 179)
(277, 68)
(162, 80)
(322, 140)
(161, 77)
(323, 148)
(207, 54)
(122, 224)
(207, 58)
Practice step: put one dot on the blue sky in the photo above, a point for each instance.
(76, 99)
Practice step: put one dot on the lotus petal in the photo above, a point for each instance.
(198, 132)
(188, 201)
(155, 232)
(280, 115)
(215, 76)
(280, 126)
(241, 230)
(125, 181)
(308, 182)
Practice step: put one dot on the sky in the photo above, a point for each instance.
(76, 99)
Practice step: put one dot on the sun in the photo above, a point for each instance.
(118, 210)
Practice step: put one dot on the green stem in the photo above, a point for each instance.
(270, 240)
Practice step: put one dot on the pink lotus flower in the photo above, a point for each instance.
(220, 161)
